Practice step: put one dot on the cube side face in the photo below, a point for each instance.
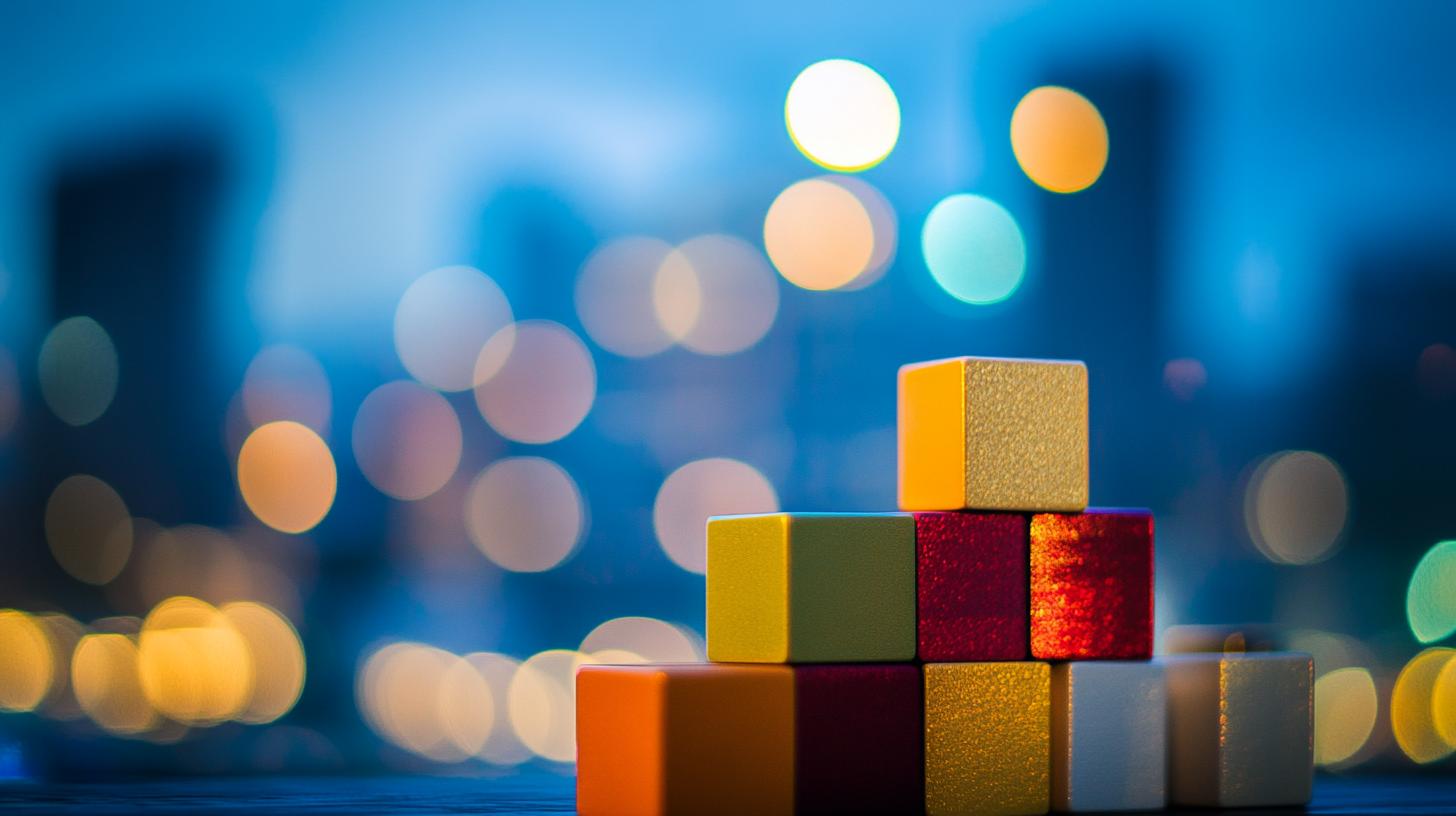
(620, 740)
(748, 589)
(1092, 585)
(931, 427)
(1026, 435)
(1267, 748)
(987, 738)
(1193, 729)
(729, 740)
(858, 738)
(1109, 736)
(851, 588)
(971, 581)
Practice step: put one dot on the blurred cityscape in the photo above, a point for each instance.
(367, 368)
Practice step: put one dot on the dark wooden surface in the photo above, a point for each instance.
(530, 793)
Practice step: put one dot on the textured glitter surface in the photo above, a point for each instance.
(1240, 729)
(972, 586)
(858, 739)
(1109, 736)
(1092, 585)
(987, 738)
(811, 588)
(993, 434)
(685, 739)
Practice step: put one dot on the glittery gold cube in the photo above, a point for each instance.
(1240, 729)
(987, 738)
(992, 434)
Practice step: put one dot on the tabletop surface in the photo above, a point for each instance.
(529, 792)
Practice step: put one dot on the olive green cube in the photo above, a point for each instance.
(811, 588)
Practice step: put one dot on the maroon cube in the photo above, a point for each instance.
(1092, 585)
(971, 586)
(859, 739)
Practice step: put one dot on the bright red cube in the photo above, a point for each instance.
(858, 739)
(1092, 585)
(971, 587)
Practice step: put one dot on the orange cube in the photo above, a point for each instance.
(685, 739)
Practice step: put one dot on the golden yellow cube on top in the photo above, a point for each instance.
(993, 434)
(987, 738)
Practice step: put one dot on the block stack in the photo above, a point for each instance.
(987, 650)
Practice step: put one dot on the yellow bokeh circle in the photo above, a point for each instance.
(1059, 139)
(286, 475)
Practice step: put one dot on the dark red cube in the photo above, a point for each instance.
(859, 739)
(1092, 585)
(971, 586)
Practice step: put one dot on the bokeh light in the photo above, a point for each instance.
(466, 707)
(614, 297)
(105, 676)
(502, 747)
(885, 224)
(402, 689)
(189, 560)
(64, 633)
(443, 320)
(542, 703)
(277, 658)
(78, 370)
(411, 694)
(1295, 507)
(107, 684)
(286, 382)
(195, 666)
(1345, 708)
(88, 529)
(636, 639)
(287, 477)
(407, 440)
(525, 514)
(715, 294)
(545, 386)
(9, 394)
(1059, 139)
(974, 249)
(818, 235)
(1443, 704)
(1330, 650)
(697, 490)
(28, 668)
(1412, 717)
(1430, 601)
(1184, 377)
(842, 115)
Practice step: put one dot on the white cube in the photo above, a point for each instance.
(1240, 729)
(1109, 736)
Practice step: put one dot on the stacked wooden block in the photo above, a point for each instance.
(986, 651)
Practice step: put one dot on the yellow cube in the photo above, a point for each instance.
(987, 738)
(991, 434)
(811, 588)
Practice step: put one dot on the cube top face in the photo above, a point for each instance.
(1241, 729)
(1092, 585)
(811, 588)
(674, 739)
(979, 433)
(987, 738)
(972, 586)
(1109, 732)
